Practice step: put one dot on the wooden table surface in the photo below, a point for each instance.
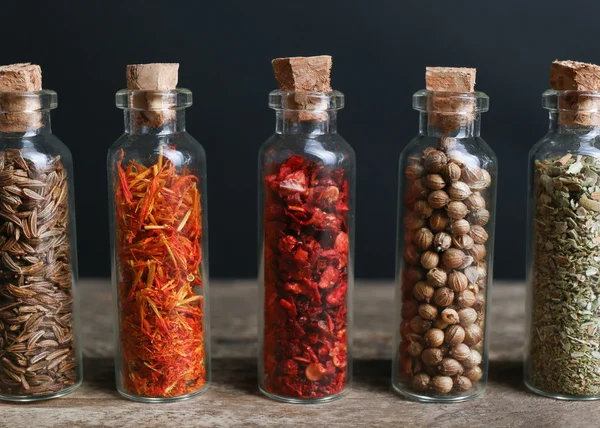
(233, 398)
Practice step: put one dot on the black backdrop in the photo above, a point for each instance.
(380, 51)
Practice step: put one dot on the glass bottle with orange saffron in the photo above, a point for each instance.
(157, 197)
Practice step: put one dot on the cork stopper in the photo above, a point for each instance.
(150, 109)
(152, 77)
(23, 77)
(303, 76)
(14, 80)
(574, 76)
(450, 79)
(577, 109)
(448, 111)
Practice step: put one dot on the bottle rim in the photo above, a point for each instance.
(172, 99)
(28, 102)
(450, 102)
(306, 101)
(571, 100)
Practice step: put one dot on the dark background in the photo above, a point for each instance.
(380, 50)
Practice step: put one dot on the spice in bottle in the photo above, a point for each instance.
(38, 349)
(446, 193)
(306, 248)
(563, 352)
(159, 234)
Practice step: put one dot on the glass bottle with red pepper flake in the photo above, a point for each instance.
(445, 243)
(306, 232)
(157, 182)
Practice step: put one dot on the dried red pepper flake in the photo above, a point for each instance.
(159, 241)
(305, 279)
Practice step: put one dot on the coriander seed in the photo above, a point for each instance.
(450, 316)
(473, 334)
(421, 382)
(442, 241)
(438, 221)
(453, 258)
(461, 352)
(435, 182)
(451, 172)
(466, 299)
(474, 374)
(427, 311)
(423, 239)
(438, 199)
(430, 259)
(457, 281)
(462, 384)
(473, 360)
(467, 316)
(475, 202)
(443, 296)
(456, 210)
(419, 325)
(455, 334)
(442, 384)
(432, 356)
(437, 277)
(460, 227)
(450, 367)
(434, 338)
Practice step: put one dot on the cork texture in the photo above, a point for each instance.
(303, 74)
(152, 77)
(574, 76)
(576, 109)
(450, 79)
(447, 112)
(151, 110)
(15, 79)
(23, 77)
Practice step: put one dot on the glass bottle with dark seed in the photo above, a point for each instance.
(40, 355)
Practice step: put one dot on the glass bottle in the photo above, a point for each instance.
(157, 197)
(41, 356)
(306, 251)
(562, 352)
(447, 194)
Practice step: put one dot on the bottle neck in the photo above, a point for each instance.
(568, 127)
(449, 125)
(154, 122)
(305, 122)
(25, 124)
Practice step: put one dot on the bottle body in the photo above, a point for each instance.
(562, 355)
(306, 234)
(157, 195)
(39, 343)
(447, 193)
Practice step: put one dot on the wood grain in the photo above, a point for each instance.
(233, 398)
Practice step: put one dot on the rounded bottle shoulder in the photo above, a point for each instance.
(180, 148)
(555, 144)
(469, 150)
(40, 149)
(330, 149)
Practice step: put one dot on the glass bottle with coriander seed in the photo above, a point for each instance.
(447, 193)
(39, 347)
(159, 243)
(306, 235)
(562, 350)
